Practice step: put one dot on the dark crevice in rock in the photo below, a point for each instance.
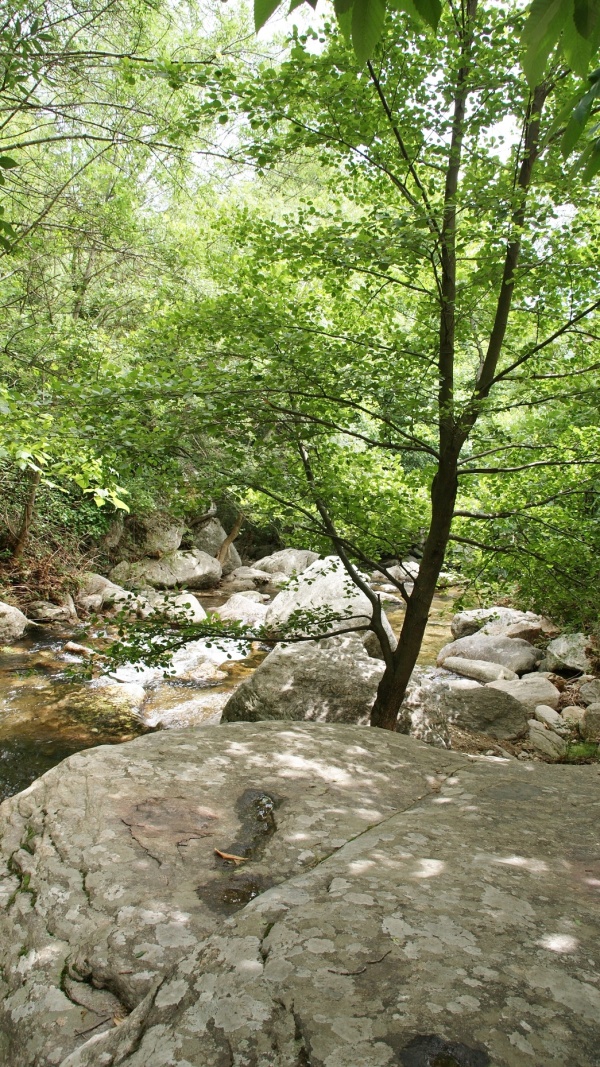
(431, 1050)
(256, 811)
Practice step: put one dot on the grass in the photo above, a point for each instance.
(582, 752)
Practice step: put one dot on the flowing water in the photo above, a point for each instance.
(46, 715)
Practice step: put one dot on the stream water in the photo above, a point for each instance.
(45, 715)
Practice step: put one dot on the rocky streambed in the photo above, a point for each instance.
(491, 680)
(46, 715)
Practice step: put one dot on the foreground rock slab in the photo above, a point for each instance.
(421, 904)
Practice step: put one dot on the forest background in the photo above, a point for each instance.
(342, 277)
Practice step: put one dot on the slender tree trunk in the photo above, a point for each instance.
(392, 688)
(22, 536)
(224, 549)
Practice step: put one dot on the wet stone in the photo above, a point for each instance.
(429, 1050)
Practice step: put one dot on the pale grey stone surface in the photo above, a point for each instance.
(117, 842)
(178, 606)
(326, 591)
(546, 740)
(94, 585)
(247, 574)
(494, 620)
(519, 656)
(417, 892)
(590, 723)
(530, 691)
(549, 717)
(486, 710)
(13, 623)
(569, 650)
(287, 561)
(46, 611)
(589, 692)
(334, 680)
(193, 569)
(478, 669)
(572, 713)
(242, 609)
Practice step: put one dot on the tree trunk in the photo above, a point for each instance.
(26, 519)
(392, 687)
(224, 549)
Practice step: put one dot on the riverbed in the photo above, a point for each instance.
(46, 714)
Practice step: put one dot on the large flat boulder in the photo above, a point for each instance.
(487, 710)
(193, 569)
(334, 680)
(397, 905)
(287, 561)
(531, 690)
(499, 620)
(512, 652)
(323, 599)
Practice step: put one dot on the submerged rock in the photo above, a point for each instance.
(380, 889)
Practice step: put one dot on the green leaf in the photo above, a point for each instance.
(542, 30)
(593, 163)
(576, 123)
(585, 16)
(263, 9)
(430, 11)
(367, 23)
(7, 163)
(294, 4)
(345, 23)
(341, 7)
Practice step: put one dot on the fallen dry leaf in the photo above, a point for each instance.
(230, 856)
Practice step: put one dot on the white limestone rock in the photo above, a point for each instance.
(530, 690)
(325, 591)
(569, 651)
(287, 561)
(209, 537)
(551, 718)
(480, 670)
(519, 656)
(241, 609)
(13, 623)
(546, 741)
(193, 569)
(334, 680)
